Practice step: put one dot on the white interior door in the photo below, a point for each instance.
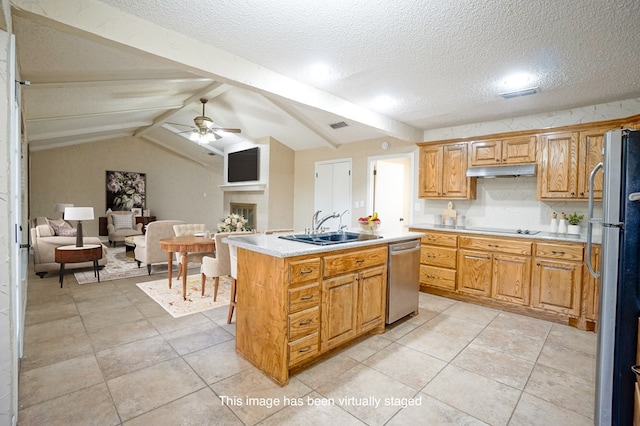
(333, 191)
(391, 192)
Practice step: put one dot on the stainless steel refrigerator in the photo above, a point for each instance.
(619, 272)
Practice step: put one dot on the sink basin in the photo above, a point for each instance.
(326, 238)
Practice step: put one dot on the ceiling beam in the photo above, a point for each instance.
(75, 82)
(99, 114)
(118, 128)
(212, 91)
(93, 19)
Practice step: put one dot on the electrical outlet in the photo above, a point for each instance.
(417, 207)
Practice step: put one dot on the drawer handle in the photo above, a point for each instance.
(307, 322)
(432, 239)
(306, 271)
(359, 260)
(431, 276)
(306, 297)
(431, 256)
(493, 245)
(303, 350)
(557, 252)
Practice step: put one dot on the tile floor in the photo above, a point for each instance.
(106, 354)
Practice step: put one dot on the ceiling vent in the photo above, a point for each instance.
(338, 125)
(523, 92)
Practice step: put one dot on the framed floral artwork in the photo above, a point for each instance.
(126, 190)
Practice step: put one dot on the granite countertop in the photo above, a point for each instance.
(582, 238)
(278, 247)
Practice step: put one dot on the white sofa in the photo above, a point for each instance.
(44, 242)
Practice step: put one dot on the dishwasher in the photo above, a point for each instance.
(403, 281)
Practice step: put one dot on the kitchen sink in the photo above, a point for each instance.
(326, 238)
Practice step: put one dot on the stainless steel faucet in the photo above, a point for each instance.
(316, 224)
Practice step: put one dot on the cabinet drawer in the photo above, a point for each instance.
(496, 245)
(304, 270)
(352, 261)
(438, 256)
(560, 251)
(304, 323)
(438, 277)
(302, 349)
(304, 297)
(439, 239)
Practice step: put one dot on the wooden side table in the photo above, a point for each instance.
(73, 254)
(144, 220)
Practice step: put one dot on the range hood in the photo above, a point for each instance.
(502, 171)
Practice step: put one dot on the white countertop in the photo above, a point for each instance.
(582, 238)
(278, 247)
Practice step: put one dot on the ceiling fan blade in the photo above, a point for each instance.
(179, 124)
(224, 129)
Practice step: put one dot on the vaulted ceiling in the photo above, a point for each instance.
(111, 68)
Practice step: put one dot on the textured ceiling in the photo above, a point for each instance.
(443, 63)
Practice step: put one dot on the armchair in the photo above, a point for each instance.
(148, 249)
(120, 225)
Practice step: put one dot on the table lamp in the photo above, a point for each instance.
(59, 207)
(79, 214)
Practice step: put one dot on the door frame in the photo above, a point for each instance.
(412, 179)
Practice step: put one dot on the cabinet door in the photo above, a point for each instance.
(485, 153)
(519, 150)
(454, 171)
(592, 287)
(558, 174)
(511, 278)
(372, 290)
(556, 286)
(339, 310)
(474, 272)
(590, 148)
(431, 171)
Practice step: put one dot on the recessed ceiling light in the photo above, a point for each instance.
(320, 72)
(523, 92)
(518, 81)
(383, 103)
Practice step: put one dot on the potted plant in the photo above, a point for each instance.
(574, 223)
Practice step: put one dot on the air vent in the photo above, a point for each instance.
(338, 125)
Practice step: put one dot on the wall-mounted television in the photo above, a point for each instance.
(243, 166)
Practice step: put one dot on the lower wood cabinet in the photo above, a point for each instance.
(475, 272)
(511, 278)
(339, 308)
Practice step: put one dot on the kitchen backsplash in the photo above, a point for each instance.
(508, 202)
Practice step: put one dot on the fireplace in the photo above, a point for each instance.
(248, 211)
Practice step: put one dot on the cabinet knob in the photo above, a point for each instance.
(497, 160)
(573, 193)
(582, 194)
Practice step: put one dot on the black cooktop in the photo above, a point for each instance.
(503, 231)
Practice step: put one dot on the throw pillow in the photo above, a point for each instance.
(62, 228)
(44, 231)
(122, 221)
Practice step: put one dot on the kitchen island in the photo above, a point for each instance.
(298, 301)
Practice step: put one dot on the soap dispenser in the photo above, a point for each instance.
(553, 228)
(562, 224)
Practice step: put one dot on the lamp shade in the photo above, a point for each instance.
(78, 213)
(59, 207)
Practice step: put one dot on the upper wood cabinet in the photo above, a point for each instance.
(516, 150)
(443, 172)
(565, 162)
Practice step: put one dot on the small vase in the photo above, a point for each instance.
(573, 229)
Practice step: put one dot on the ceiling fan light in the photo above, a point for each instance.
(195, 136)
(211, 137)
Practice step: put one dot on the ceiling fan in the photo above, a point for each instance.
(205, 132)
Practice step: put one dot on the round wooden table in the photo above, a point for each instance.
(73, 254)
(185, 244)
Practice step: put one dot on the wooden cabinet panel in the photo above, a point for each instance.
(485, 153)
(304, 323)
(592, 288)
(511, 278)
(303, 349)
(558, 174)
(443, 172)
(438, 256)
(560, 251)
(430, 172)
(372, 289)
(438, 277)
(496, 245)
(556, 286)
(304, 270)
(590, 151)
(339, 310)
(519, 150)
(304, 297)
(354, 260)
(475, 272)
(439, 239)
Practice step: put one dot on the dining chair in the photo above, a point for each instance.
(189, 229)
(233, 258)
(219, 266)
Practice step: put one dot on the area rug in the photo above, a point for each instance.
(171, 298)
(120, 266)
